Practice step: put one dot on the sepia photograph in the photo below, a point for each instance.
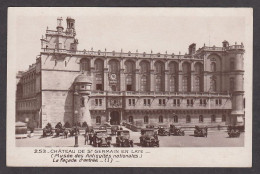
(152, 81)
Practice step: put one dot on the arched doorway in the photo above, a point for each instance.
(114, 118)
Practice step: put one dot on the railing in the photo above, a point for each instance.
(53, 32)
(232, 47)
(136, 93)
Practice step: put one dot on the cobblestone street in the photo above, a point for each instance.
(214, 139)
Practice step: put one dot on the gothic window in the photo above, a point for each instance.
(85, 65)
(98, 120)
(213, 67)
(130, 119)
(160, 119)
(82, 102)
(188, 119)
(201, 119)
(231, 84)
(146, 119)
(172, 84)
(175, 119)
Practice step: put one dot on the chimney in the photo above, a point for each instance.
(225, 44)
(192, 49)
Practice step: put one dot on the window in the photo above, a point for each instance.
(188, 119)
(149, 102)
(188, 102)
(96, 102)
(172, 84)
(131, 102)
(201, 119)
(213, 85)
(232, 64)
(178, 102)
(160, 102)
(213, 118)
(175, 119)
(185, 84)
(201, 101)
(223, 118)
(205, 101)
(213, 67)
(144, 84)
(144, 102)
(82, 102)
(84, 65)
(163, 102)
(231, 84)
(174, 102)
(160, 119)
(99, 87)
(146, 119)
(158, 83)
(100, 102)
(98, 120)
(129, 87)
(191, 102)
(218, 101)
(130, 119)
(197, 84)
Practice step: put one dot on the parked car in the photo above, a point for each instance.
(233, 131)
(101, 139)
(149, 138)
(201, 131)
(47, 130)
(123, 139)
(163, 130)
(114, 129)
(149, 126)
(59, 129)
(177, 131)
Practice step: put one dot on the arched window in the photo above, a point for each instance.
(98, 120)
(201, 119)
(146, 119)
(173, 67)
(185, 68)
(213, 118)
(99, 68)
(186, 77)
(159, 78)
(144, 83)
(198, 68)
(130, 119)
(99, 65)
(185, 84)
(213, 67)
(144, 67)
(224, 118)
(129, 67)
(175, 119)
(232, 64)
(188, 119)
(160, 119)
(231, 84)
(84, 65)
(114, 66)
(172, 84)
(159, 68)
(82, 102)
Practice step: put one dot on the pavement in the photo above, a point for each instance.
(214, 139)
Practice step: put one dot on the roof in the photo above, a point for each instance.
(82, 78)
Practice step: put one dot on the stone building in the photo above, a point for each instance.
(203, 87)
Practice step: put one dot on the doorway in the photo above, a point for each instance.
(114, 118)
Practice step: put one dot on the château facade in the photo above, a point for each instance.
(203, 87)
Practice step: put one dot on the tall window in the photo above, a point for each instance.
(232, 64)
(145, 72)
(198, 87)
(231, 84)
(213, 84)
(201, 119)
(188, 119)
(146, 119)
(213, 67)
(84, 65)
(223, 118)
(130, 67)
(130, 119)
(82, 102)
(159, 78)
(173, 67)
(160, 119)
(175, 119)
(98, 120)
(99, 71)
(172, 84)
(197, 84)
(186, 77)
(114, 66)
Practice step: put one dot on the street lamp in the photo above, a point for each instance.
(76, 132)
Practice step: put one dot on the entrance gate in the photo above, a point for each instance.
(114, 118)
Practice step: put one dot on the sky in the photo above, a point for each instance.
(130, 29)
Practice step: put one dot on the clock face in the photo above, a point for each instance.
(113, 76)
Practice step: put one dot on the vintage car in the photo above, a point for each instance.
(73, 130)
(149, 126)
(123, 139)
(177, 131)
(163, 130)
(101, 139)
(114, 129)
(233, 131)
(149, 138)
(200, 131)
(59, 129)
(47, 130)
